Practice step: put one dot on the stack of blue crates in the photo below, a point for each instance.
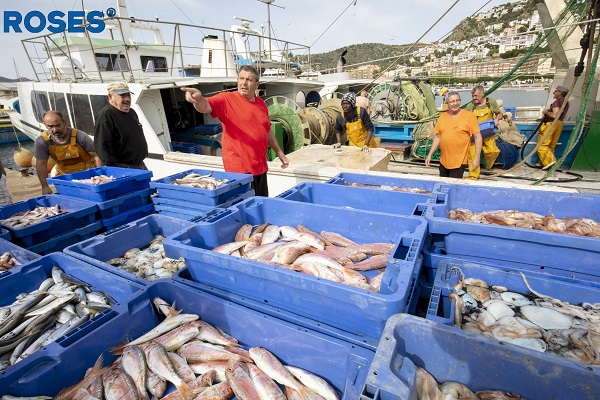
(190, 203)
(79, 221)
(208, 129)
(126, 198)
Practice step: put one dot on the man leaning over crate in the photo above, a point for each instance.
(71, 149)
(485, 109)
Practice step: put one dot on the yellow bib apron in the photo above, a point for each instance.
(489, 148)
(70, 157)
(357, 133)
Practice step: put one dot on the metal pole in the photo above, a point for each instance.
(269, 22)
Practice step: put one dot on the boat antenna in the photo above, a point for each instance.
(13, 125)
(269, 3)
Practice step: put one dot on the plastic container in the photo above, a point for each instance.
(238, 184)
(441, 308)
(58, 243)
(451, 354)
(5, 234)
(170, 202)
(385, 201)
(344, 178)
(126, 202)
(348, 308)
(23, 256)
(187, 148)
(125, 180)
(127, 216)
(100, 248)
(28, 277)
(343, 365)
(487, 128)
(186, 214)
(79, 213)
(434, 254)
(577, 254)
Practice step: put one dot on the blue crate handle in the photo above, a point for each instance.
(87, 327)
(335, 180)
(212, 216)
(287, 193)
(115, 230)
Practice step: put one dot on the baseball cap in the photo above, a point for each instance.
(119, 88)
(562, 88)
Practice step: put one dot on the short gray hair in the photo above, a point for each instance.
(478, 88)
(452, 93)
(251, 69)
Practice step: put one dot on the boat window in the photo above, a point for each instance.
(39, 101)
(111, 62)
(98, 103)
(154, 64)
(82, 113)
(59, 103)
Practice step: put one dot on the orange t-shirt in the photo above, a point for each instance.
(455, 137)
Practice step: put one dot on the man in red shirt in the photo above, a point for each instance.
(246, 128)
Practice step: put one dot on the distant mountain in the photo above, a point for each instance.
(370, 53)
(14, 80)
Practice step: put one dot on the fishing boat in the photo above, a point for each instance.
(302, 103)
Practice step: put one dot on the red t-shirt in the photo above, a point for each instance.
(246, 126)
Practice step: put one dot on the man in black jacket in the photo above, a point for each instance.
(118, 135)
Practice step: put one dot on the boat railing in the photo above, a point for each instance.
(123, 52)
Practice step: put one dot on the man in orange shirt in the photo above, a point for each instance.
(246, 128)
(454, 129)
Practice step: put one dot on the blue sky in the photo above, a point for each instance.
(302, 21)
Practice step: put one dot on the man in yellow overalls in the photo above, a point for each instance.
(71, 149)
(485, 109)
(546, 150)
(355, 123)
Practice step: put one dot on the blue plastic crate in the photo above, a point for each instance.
(125, 180)
(397, 203)
(191, 206)
(441, 308)
(487, 128)
(28, 277)
(209, 129)
(238, 184)
(127, 216)
(5, 234)
(512, 110)
(126, 202)
(58, 243)
(187, 148)
(100, 248)
(434, 255)
(79, 213)
(350, 309)
(345, 178)
(451, 354)
(577, 254)
(182, 213)
(23, 256)
(343, 365)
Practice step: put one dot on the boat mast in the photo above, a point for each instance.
(566, 55)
